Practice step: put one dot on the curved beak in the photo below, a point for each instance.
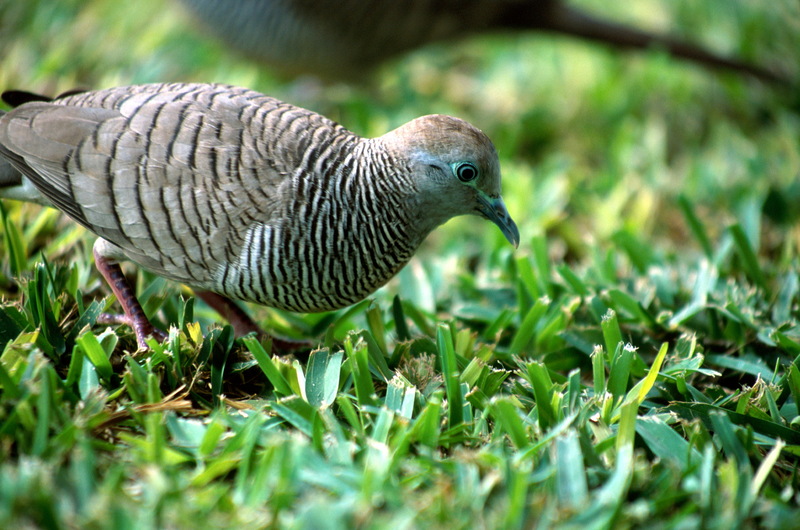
(494, 209)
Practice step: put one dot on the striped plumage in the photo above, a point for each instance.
(230, 191)
(345, 39)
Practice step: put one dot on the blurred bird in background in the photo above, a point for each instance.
(345, 40)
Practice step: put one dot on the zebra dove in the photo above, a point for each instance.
(344, 39)
(239, 195)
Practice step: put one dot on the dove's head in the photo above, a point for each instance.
(455, 170)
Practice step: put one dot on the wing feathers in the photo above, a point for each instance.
(147, 170)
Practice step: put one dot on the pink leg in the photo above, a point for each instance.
(134, 314)
(230, 311)
(243, 324)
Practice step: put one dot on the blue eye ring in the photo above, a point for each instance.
(466, 172)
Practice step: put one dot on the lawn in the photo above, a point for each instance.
(636, 362)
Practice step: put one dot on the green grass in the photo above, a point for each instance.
(636, 362)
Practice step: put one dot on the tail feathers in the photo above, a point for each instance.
(15, 98)
(13, 185)
(9, 176)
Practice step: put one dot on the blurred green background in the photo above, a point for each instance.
(659, 189)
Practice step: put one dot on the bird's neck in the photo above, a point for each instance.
(397, 196)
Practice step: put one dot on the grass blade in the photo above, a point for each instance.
(639, 392)
(452, 381)
(506, 413)
(276, 378)
(612, 335)
(322, 377)
(620, 370)
(696, 226)
(748, 256)
(542, 390)
(527, 329)
(571, 486)
(359, 366)
(96, 355)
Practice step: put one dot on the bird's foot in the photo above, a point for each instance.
(142, 329)
(134, 314)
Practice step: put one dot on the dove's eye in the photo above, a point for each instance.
(466, 172)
